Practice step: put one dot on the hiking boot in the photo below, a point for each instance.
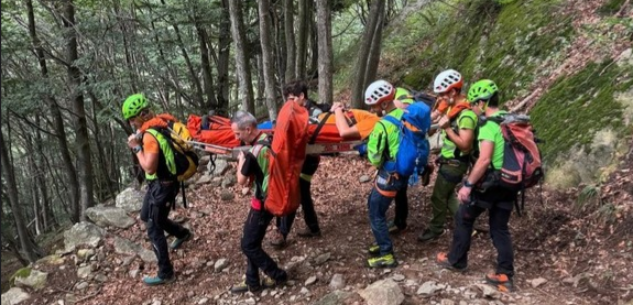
(278, 241)
(502, 281)
(385, 261)
(307, 233)
(179, 241)
(442, 261)
(429, 235)
(155, 280)
(243, 288)
(393, 229)
(374, 250)
(269, 283)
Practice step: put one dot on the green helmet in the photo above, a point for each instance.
(133, 105)
(482, 90)
(404, 95)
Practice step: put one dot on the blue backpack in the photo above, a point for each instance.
(413, 152)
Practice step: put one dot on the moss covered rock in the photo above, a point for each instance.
(35, 279)
(22, 272)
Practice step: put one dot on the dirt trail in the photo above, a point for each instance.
(341, 206)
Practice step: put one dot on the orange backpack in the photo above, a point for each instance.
(287, 154)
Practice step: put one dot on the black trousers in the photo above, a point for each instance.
(309, 214)
(284, 224)
(157, 203)
(499, 203)
(254, 231)
(401, 208)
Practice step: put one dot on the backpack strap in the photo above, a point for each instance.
(385, 152)
(351, 120)
(394, 121)
(318, 129)
(458, 153)
(184, 197)
(257, 148)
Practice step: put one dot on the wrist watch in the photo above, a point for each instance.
(468, 184)
(137, 148)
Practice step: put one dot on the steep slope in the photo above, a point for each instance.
(568, 62)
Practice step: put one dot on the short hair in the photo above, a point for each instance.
(244, 119)
(295, 88)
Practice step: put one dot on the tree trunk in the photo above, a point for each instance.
(31, 179)
(359, 82)
(82, 141)
(58, 121)
(203, 37)
(302, 40)
(374, 53)
(241, 56)
(192, 72)
(49, 216)
(289, 33)
(126, 47)
(30, 251)
(325, 51)
(102, 167)
(39, 225)
(261, 87)
(267, 58)
(314, 49)
(279, 46)
(224, 54)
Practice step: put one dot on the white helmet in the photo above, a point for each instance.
(448, 80)
(378, 92)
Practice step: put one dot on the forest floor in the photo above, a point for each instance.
(580, 245)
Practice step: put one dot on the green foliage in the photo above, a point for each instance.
(22, 272)
(606, 213)
(589, 194)
(512, 43)
(611, 7)
(574, 108)
(506, 42)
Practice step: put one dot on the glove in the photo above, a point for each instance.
(362, 149)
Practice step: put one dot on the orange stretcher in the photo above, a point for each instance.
(214, 135)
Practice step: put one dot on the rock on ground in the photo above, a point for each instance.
(227, 195)
(84, 272)
(221, 167)
(364, 179)
(384, 292)
(427, 288)
(337, 282)
(220, 265)
(35, 280)
(334, 298)
(130, 200)
(83, 233)
(311, 280)
(14, 296)
(204, 179)
(487, 291)
(110, 216)
(124, 246)
(321, 259)
(229, 181)
(538, 282)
